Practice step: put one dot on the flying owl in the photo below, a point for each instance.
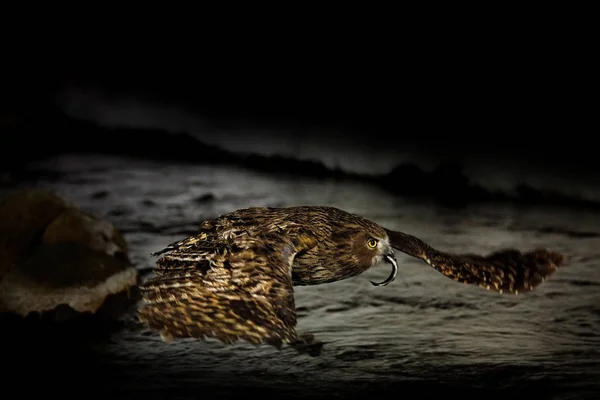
(234, 279)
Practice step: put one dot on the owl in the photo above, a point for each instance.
(234, 279)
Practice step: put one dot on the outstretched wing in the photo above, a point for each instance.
(230, 288)
(503, 271)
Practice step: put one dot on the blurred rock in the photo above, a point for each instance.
(57, 260)
(76, 226)
(4, 261)
(64, 273)
(23, 217)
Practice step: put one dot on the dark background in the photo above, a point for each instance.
(516, 93)
(453, 92)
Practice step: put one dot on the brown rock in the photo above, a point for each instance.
(5, 262)
(24, 215)
(55, 256)
(64, 274)
(75, 226)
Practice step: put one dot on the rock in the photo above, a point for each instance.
(5, 262)
(76, 226)
(24, 215)
(64, 273)
(57, 259)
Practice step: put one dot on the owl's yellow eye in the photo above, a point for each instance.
(372, 243)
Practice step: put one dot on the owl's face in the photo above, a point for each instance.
(372, 247)
(347, 245)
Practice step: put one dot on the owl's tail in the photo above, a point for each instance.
(503, 271)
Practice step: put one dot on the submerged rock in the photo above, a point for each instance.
(56, 257)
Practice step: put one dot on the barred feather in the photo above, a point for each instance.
(507, 270)
(234, 279)
(241, 291)
(193, 309)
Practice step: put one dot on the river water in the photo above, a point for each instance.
(422, 335)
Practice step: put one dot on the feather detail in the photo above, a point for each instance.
(242, 290)
(234, 279)
(507, 270)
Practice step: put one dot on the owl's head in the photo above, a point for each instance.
(369, 245)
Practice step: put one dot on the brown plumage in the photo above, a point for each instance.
(234, 279)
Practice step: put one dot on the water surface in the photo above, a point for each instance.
(423, 334)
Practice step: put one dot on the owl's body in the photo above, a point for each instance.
(234, 279)
(318, 234)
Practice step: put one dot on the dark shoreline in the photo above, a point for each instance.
(446, 184)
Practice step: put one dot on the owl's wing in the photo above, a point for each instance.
(506, 270)
(236, 288)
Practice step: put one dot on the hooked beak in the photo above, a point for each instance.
(391, 259)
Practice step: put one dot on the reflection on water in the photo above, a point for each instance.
(423, 332)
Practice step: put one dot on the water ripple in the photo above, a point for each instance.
(420, 334)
